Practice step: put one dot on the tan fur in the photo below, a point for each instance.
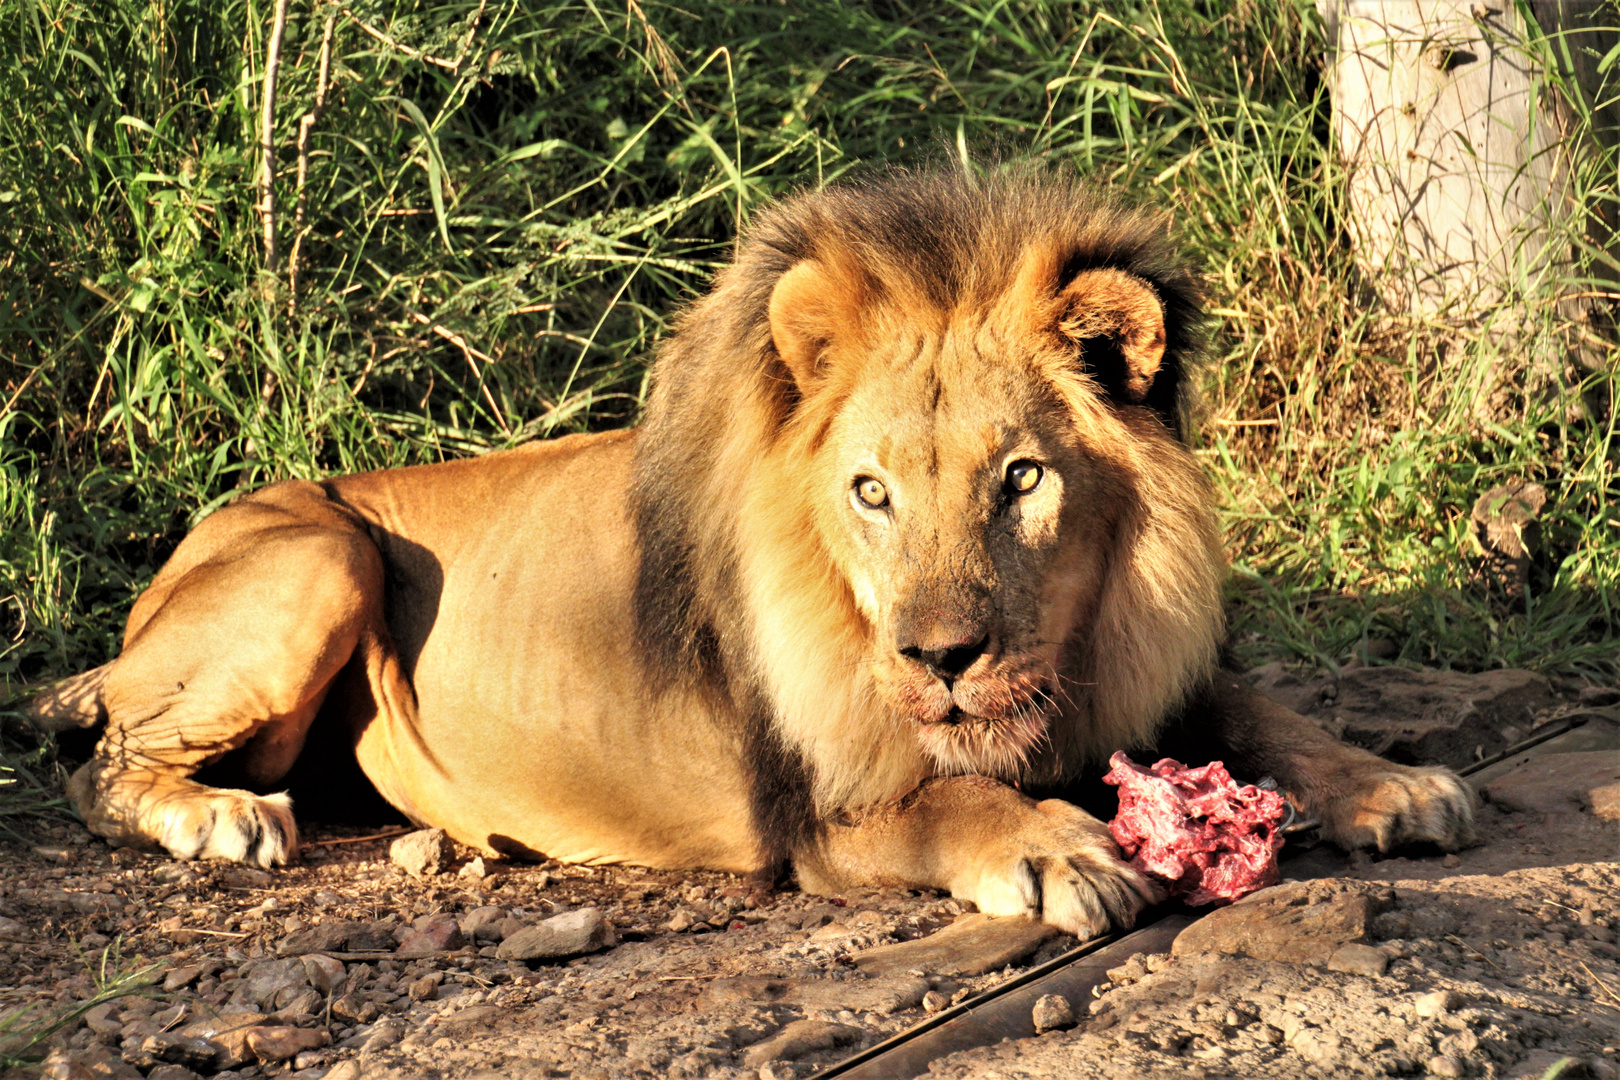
(693, 645)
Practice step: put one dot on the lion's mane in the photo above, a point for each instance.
(737, 602)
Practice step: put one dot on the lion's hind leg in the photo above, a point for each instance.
(187, 819)
(232, 649)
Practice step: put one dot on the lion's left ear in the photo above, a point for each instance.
(1115, 317)
(812, 305)
(1112, 307)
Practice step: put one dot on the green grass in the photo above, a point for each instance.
(505, 203)
(25, 1035)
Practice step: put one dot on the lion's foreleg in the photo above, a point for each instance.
(982, 841)
(1361, 799)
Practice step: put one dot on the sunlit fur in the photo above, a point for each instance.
(709, 649)
(925, 291)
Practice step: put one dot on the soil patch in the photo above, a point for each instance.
(1498, 962)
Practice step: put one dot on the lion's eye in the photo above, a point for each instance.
(872, 494)
(1023, 477)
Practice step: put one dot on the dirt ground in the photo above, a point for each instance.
(1498, 962)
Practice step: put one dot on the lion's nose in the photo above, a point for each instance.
(949, 660)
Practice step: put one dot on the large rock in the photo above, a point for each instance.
(181, 977)
(431, 934)
(329, 936)
(573, 933)
(268, 984)
(798, 1039)
(421, 853)
(196, 1054)
(883, 996)
(1416, 717)
(372, 937)
(227, 1031)
(337, 935)
(273, 1044)
(1561, 783)
(484, 923)
(1299, 923)
(972, 945)
(324, 973)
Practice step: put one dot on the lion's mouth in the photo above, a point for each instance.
(961, 742)
(984, 722)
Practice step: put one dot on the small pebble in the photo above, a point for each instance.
(1052, 1012)
(1359, 960)
(1436, 1003)
(422, 853)
(1443, 1065)
(427, 987)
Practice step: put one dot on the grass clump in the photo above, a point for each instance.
(25, 1034)
(489, 211)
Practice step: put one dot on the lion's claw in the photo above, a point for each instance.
(189, 820)
(1066, 871)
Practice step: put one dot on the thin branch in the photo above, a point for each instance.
(472, 30)
(306, 126)
(414, 54)
(387, 834)
(472, 356)
(27, 381)
(267, 130)
(417, 54)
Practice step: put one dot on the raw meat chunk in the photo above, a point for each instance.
(1197, 832)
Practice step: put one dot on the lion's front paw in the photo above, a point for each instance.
(1063, 869)
(1393, 805)
(223, 823)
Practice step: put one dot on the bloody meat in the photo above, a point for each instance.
(1196, 832)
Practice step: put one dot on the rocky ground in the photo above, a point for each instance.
(375, 957)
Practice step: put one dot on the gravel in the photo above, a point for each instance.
(1499, 963)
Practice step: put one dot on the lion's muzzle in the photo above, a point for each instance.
(984, 716)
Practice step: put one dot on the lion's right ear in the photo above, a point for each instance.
(812, 305)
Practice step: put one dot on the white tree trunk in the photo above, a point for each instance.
(1457, 151)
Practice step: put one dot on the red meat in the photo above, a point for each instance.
(1196, 832)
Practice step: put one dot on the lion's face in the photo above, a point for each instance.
(961, 503)
(912, 493)
(971, 474)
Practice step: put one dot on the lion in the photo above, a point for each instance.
(909, 541)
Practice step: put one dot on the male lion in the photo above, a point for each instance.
(910, 530)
